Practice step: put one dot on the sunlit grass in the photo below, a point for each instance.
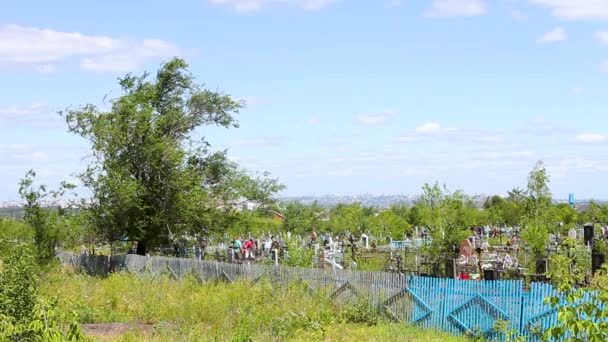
(241, 311)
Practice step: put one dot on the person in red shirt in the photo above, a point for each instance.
(248, 247)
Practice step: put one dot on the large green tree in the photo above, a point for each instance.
(150, 177)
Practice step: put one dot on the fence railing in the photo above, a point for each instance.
(456, 306)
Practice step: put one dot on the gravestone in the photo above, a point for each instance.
(466, 248)
(365, 240)
(572, 233)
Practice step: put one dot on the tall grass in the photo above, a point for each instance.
(240, 311)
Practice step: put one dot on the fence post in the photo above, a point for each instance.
(521, 314)
(444, 303)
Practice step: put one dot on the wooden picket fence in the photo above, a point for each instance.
(455, 306)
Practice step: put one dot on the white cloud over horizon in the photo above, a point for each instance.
(457, 8)
(45, 50)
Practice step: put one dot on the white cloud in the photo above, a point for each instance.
(555, 35)
(502, 155)
(576, 9)
(32, 115)
(45, 49)
(518, 15)
(602, 36)
(591, 138)
(542, 126)
(433, 130)
(407, 138)
(577, 90)
(368, 119)
(429, 128)
(341, 172)
(245, 6)
(457, 8)
(259, 142)
(46, 69)
(313, 121)
(253, 100)
(604, 66)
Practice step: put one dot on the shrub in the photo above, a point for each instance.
(23, 315)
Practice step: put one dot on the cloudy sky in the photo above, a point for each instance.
(344, 96)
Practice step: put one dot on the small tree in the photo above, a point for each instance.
(23, 315)
(45, 213)
(538, 211)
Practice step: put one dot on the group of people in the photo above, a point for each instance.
(242, 249)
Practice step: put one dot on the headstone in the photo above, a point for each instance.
(365, 240)
(466, 248)
(572, 233)
(508, 261)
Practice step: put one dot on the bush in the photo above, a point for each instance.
(23, 315)
(360, 312)
(17, 285)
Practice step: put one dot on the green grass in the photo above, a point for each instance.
(335, 332)
(241, 311)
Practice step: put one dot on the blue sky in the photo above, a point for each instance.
(344, 96)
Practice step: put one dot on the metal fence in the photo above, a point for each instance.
(456, 306)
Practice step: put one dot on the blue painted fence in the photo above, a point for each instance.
(461, 307)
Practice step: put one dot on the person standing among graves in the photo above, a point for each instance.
(248, 247)
(197, 252)
(237, 248)
(203, 248)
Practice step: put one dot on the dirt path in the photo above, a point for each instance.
(111, 331)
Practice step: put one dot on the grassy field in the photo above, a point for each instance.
(163, 309)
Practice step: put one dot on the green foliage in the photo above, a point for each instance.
(299, 255)
(565, 269)
(389, 223)
(360, 312)
(448, 216)
(348, 218)
(301, 218)
(23, 315)
(152, 178)
(510, 334)
(596, 213)
(17, 285)
(52, 222)
(538, 218)
(581, 311)
(13, 233)
(46, 324)
(239, 311)
(255, 223)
